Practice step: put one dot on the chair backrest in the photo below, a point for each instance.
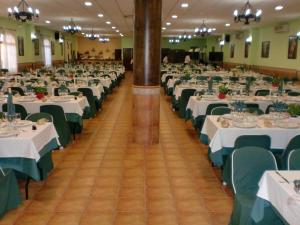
(88, 93)
(220, 110)
(262, 141)
(34, 117)
(202, 78)
(19, 90)
(211, 106)
(56, 91)
(293, 144)
(294, 160)
(247, 167)
(252, 105)
(217, 78)
(262, 92)
(234, 79)
(183, 101)
(255, 111)
(18, 109)
(293, 93)
(59, 121)
(268, 79)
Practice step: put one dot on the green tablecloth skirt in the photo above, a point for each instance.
(29, 167)
(76, 120)
(9, 191)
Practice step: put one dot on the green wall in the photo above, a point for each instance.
(24, 30)
(278, 55)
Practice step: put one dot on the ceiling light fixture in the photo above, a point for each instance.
(185, 37)
(104, 40)
(203, 30)
(108, 22)
(121, 35)
(48, 21)
(100, 15)
(174, 16)
(72, 28)
(246, 14)
(174, 40)
(92, 36)
(117, 31)
(168, 23)
(163, 28)
(88, 4)
(279, 7)
(113, 27)
(184, 5)
(227, 25)
(23, 12)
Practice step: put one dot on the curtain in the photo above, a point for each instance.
(47, 53)
(8, 51)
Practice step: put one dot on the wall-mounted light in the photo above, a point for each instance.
(222, 43)
(1, 38)
(61, 40)
(33, 36)
(298, 35)
(249, 39)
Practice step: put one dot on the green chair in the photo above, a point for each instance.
(294, 160)
(293, 93)
(221, 110)
(217, 79)
(212, 106)
(268, 79)
(234, 79)
(18, 109)
(57, 89)
(282, 159)
(19, 90)
(34, 117)
(248, 165)
(201, 78)
(255, 111)
(262, 141)
(251, 79)
(60, 122)
(183, 101)
(262, 92)
(88, 93)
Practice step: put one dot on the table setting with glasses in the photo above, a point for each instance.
(281, 191)
(222, 131)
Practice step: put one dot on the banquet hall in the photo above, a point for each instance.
(149, 112)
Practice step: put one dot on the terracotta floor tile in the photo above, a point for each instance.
(101, 205)
(131, 205)
(195, 219)
(105, 192)
(72, 205)
(163, 219)
(78, 192)
(161, 205)
(65, 219)
(190, 206)
(34, 219)
(130, 219)
(91, 218)
(159, 193)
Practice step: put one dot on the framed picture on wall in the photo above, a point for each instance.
(232, 46)
(293, 47)
(21, 46)
(265, 49)
(36, 46)
(52, 48)
(246, 53)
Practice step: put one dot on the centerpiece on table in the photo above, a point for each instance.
(40, 92)
(223, 90)
(294, 110)
(275, 82)
(238, 106)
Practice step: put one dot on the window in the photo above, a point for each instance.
(47, 53)
(8, 52)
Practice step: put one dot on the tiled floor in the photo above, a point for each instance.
(104, 179)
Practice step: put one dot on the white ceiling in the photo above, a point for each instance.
(120, 12)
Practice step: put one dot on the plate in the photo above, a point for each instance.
(23, 123)
(244, 125)
(227, 116)
(288, 125)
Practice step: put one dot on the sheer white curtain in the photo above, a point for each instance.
(8, 51)
(47, 52)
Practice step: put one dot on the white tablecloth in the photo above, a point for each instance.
(281, 194)
(225, 137)
(97, 90)
(73, 106)
(28, 143)
(198, 107)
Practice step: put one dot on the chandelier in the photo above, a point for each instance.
(203, 30)
(23, 12)
(247, 14)
(174, 40)
(92, 36)
(103, 39)
(185, 37)
(72, 28)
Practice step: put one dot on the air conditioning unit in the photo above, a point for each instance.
(282, 28)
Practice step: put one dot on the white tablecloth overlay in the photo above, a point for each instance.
(281, 194)
(28, 143)
(73, 106)
(198, 107)
(97, 90)
(225, 137)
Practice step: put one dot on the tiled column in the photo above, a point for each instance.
(147, 36)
